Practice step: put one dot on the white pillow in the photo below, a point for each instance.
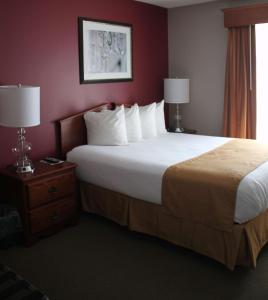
(133, 123)
(160, 118)
(106, 127)
(148, 123)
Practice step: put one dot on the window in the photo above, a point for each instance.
(262, 81)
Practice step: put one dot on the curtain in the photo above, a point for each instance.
(240, 84)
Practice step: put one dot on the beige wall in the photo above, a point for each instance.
(197, 50)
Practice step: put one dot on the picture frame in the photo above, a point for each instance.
(105, 51)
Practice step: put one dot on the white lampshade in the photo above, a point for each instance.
(176, 90)
(19, 106)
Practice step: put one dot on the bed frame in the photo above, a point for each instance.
(239, 247)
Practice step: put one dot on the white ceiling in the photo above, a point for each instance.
(174, 3)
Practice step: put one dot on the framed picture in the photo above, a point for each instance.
(105, 51)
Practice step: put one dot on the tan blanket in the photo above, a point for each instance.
(204, 188)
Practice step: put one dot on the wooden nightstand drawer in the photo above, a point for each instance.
(51, 214)
(46, 191)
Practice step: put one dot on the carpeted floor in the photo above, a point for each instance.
(98, 259)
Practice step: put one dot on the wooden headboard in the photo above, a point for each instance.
(72, 130)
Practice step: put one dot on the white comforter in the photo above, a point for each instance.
(136, 170)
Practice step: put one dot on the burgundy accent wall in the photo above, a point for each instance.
(39, 46)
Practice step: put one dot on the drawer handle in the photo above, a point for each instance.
(55, 217)
(52, 190)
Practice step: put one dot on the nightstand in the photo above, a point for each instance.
(189, 131)
(46, 199)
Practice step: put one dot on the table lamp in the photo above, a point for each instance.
(176, 91)
(20, 108)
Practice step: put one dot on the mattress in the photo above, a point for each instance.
(136, 170)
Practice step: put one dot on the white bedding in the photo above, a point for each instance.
(137, 169)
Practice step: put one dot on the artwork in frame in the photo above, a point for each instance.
(105, 51)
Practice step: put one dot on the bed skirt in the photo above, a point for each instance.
(239, 247)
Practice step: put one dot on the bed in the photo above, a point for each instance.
(130, 192)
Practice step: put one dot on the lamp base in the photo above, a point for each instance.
(25, 167)
(179, 130)
(23, 164)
